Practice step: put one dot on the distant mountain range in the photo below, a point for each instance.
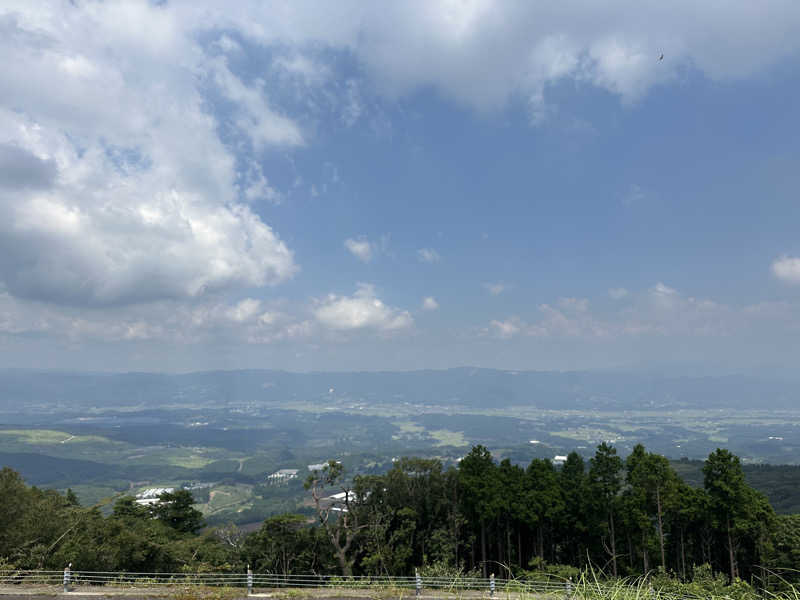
(461, 387)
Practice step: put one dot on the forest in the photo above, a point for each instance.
(618, 517)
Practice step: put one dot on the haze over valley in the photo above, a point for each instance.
(102, 434)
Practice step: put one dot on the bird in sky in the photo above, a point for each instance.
(661, 57)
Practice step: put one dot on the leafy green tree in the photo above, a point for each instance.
(515, 510)
(690, 519)
(546, 503)
(176, 509)
(126, 507)
(71, 498)
(785, 551)
(737, 510)
(15, 498)
(277, 546)
(478, 480)
(723, 480)
(339, 518)
(389, 546)
(637, 525)
(604, 480)
(421, 485)
(655, 482)
(137, 542)
(575, 522)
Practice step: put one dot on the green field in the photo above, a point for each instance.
(235, 448)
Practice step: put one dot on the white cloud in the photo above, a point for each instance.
(572, 321)
(663, 297)
(312, 72)
(430, 303)
(228, 45)
(137, 196)
(508, 328)
(247, 321)
(254, 117)
(130, 142)
(361, 248)
(787, 268)
(657, 311)
(362, 310)
(428, 255)
(454, 47)
(257, 187)
(353, 107)
(617, 293)
(495, 289)
(244, 310)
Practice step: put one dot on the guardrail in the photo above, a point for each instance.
(491, 586)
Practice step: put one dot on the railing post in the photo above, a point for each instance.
(67, 577)
(418, 584)
(249, 580)
(491, 585)
(568, 586)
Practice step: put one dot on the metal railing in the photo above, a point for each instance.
(72, 579)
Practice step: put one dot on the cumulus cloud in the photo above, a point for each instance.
(508, 328)
(362, 310)
(130, 138)
(570, 319)
(361, 248)
(123, 190)
(456, 47)
(253, 115)
(663, 297)
(246, 321)
(787, 268)
(428, 255)
(430, 303)
(659, 311)
(311, 71)
(21, 169)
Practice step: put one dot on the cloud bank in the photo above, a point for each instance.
(134, 200)
(117, 187)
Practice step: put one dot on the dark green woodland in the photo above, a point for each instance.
(621, 518)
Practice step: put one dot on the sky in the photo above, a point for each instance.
(389, 186)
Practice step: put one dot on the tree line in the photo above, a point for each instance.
(621, 517)
(627, 517)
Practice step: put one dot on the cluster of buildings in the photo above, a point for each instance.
(282, 476)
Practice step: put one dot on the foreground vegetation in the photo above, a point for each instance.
(612, 518)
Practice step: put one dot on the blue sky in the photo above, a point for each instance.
(419, 185)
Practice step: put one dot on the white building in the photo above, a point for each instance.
(338, 502)
(282, 476)
(154, 492)
(152, 495)
(559, 459)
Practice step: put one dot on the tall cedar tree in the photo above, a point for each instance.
(478, 479)
(653, 477)
(604, 479)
